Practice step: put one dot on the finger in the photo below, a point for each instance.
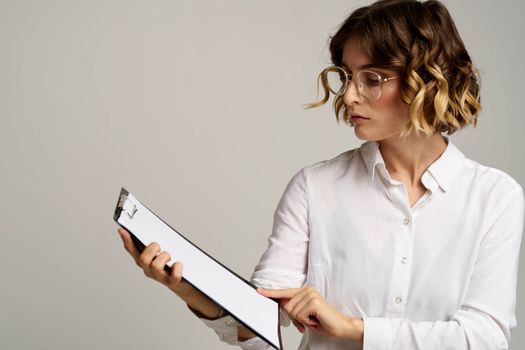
(302, 305)
(157, 266)
(307, 316)
(176, 274)
(128, 243)
(147, 255)
(297, 303)
(288, 304)
(279, 293)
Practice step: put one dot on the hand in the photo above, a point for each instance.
(152, 263)
(306, 308)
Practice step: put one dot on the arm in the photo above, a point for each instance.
(283, 264)
(487, 314)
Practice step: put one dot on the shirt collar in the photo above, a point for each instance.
(371, 156)
(443, 170)
(447, 166)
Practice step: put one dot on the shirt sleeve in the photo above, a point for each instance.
(283, 264)
(227, 331)
(487, 314)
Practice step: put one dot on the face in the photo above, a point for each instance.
(388, 115)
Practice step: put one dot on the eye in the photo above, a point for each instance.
(371, 79)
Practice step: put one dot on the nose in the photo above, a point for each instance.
(351, 95)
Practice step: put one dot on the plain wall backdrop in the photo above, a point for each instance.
(196, 108)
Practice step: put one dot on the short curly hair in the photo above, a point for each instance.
(420, 41)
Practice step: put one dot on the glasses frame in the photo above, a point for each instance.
(349, 77)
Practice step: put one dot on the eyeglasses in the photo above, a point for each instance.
(367, 83)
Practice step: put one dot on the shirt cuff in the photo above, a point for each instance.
(377, 333)
(255, 343)
(225, 328)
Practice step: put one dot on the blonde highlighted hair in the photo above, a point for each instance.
(420, 41)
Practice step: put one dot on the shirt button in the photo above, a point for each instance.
(406, 221)
(398, 300)
(229, 323)
(403, 260)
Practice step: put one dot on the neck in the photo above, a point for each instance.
(407, 160)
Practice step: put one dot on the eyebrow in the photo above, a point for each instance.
(364, 66)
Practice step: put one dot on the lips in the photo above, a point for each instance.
(356, 116)
(357, 119)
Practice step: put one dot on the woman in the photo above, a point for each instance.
(402, 243)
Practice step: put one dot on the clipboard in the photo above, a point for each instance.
(237, 296)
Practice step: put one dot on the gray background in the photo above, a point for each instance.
(195, 107)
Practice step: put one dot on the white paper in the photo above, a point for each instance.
(259, 313)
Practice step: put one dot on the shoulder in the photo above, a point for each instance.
(491, 180)
(322, 172)
(333, 166)
(491, 192)
(496, 201)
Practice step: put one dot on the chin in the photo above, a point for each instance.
(365, 137)
(368, 134)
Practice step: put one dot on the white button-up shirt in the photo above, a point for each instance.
(441, 274)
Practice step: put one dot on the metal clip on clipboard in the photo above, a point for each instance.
(125, 205)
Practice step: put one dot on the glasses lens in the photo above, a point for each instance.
(335, 78)
(369, 84)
